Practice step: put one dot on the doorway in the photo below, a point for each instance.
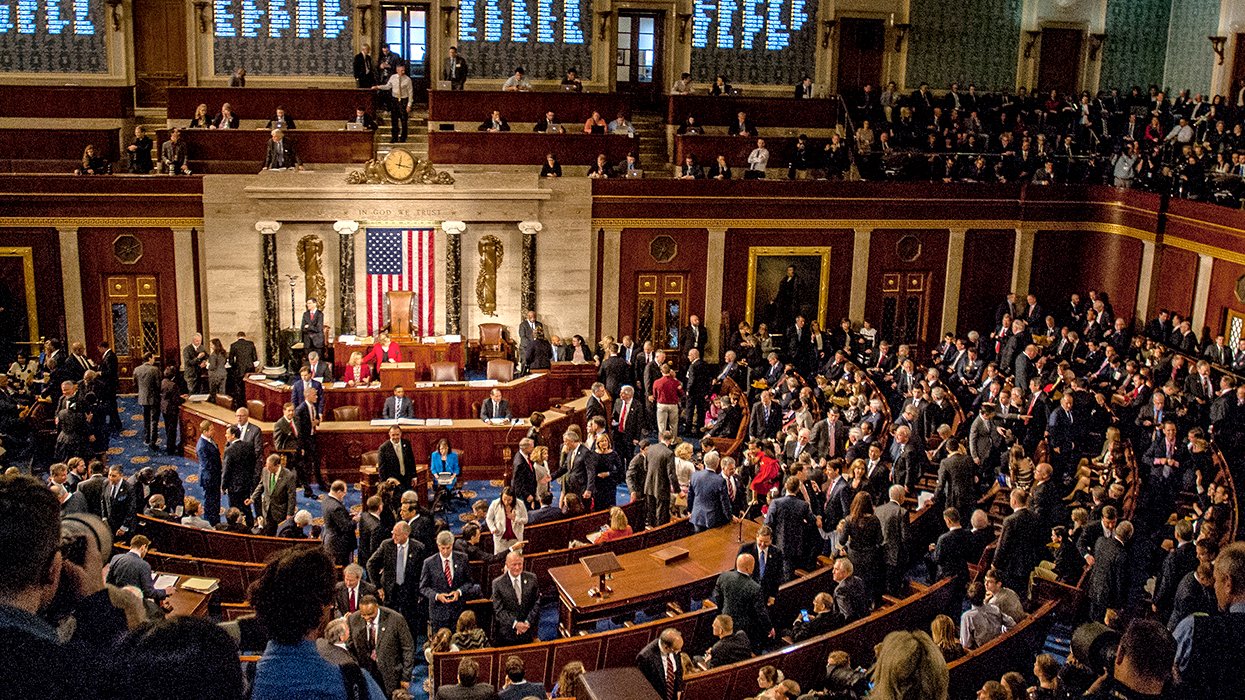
(660, 309)
(1059, 61)
(862, 44)
(638, 63)
(131, 321)
(1238, 68)
(406, 34)
(159, 50)
(905, 307)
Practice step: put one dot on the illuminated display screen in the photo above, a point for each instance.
(761, 42)
(546, 37)
(53, 36)
(283, 37)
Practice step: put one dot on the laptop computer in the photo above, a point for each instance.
(633, 174)
(443, 85)
(354, 126)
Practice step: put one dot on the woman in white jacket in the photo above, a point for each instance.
(505, 519)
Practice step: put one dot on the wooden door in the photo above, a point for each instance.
(406, 34)
(159, 50)
(660, 309)
(1238, 68)
(1059, 60)
(131, 316)
(862, 44)
(905, 307)
(638, 61)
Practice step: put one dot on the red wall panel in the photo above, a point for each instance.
(1077, 261)
(986, 277)
(1222, 295)
(49, 292)
(635, 257)
(1177, 272)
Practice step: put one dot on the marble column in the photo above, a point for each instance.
(453, 275)
(1022, 260)
(268, 272)
(527, 301)
(714, 273)
(1201, 290)
(71, 284)
(955, 274)
(860, 274)
(1146, 283)
(184, 276)
(345, 267)
(610, 256)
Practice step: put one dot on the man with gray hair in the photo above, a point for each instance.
(445, 583)
(394, 568)
(894, 519)
(296, 528)
(627, 422)
(661, 663)
(350, 590)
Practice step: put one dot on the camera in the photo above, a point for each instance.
(80, 531)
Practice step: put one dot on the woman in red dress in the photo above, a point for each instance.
(385, 350)
(356, 373)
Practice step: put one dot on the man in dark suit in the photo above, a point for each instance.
(738, 595)
(445, 583)
(280, 156)
(194, 358)
(851, 596)
(793, 521)
(824, 619)
(838, 495)
(398, 405)
(108, 376)
(364, 68)
(516, 603)
(92, 489)
(695, 336)
(339, 528)
(1110, 576)
(468, 686)
(735, 491)
(800, 349)
(950, 554)
(661, 663)
(396, 460)
(147, 384)
(698, 381)
(707, 498)
(523, 474)
(908, 468)
(1062, 431)
(770, 569)
(627, 423)
(595, 405)
(495, 407)
(312, 327)
(298, 389)
(349, 593)
(238, 474)
(394, 568)
(131, 569)
(573, 469)
(1019, 543)
(766, 420)
(732, 646)
(659, 480)
(381, 639)
(538, 354)
(894, 519)
(956, 476)
(117, 501)
(614, 372)
(529, 329)
(830, 435)
(371, 532)
(276, 494)
(306, 419)
(210, 469)
(1181, 560)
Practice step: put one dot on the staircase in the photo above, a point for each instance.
(651, 127)
(416, 135)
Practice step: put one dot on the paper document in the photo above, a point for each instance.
(163, 581)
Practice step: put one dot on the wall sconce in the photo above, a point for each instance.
(447, 19)
(365, 11)
(901, 33)
(1217, 44)
(203, 12)
(604, 16)
(115, 6)
(684, 18)
(1096, 42)
(1034, 35)
(827, 27)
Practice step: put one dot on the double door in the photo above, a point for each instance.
(406, 34)
(131, 321)
(661, 309)
(638, 62)
(905, 307)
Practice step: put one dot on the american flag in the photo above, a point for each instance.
(400, 259)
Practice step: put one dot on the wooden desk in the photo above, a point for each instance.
(607, 683)
(643, 581)
(736, 149)
(762, 111)
(65, 102)
(187, 603)
(242, 151)
(56, 150)
(526, 394)
(525, 148)
(572, 109)
(412, 351)
(301, 103)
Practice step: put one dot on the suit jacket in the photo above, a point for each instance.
(432, 581)
(791, 518)
(364, 70)
(341, 596)
(851, 598)
(955, 487)
(276, 504)
(707, 499)
(129, 569)
(579, 478)
(118, 509)
(633, 430)
(208, 454)
(507, 610)
(653, 666)
(305, 425)
(908, 469)
(92, 490)
(338, 533)
(1110, 576)
(297, 389)
(698, 379)
(283, 155)
(387, 462)
(1178, 562)
(614, 374)
(593, 407)
(775, 573)
(739, 596)
(238, 471)
(762, 427)
(394, 409)
(76, 503)
(894, 520)
(108, 371)
(691, 340)
(659, 474)
(489, 410)
(382, 569)
(1019, 543)
(312, 326)
(523, 479)
(823, 434)
(371, 534)
(951, 554)
(147, 382)
(283, 435)
(838, 503)
(393, 657)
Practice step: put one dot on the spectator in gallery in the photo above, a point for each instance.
(595, 124)
(201, 120)
(690, 127)
(720, 170)
(690, 170)
(281, 120)
(140, 152)
(238, 79)
(571, 82)
(93, 163)
(174, 156)
(517, 82)
(551, 167)
(363, 119)
(226, 119)
(620, 125)
(757, 162)
(720, 87)
(549, 125)
(494, 123)
(682, 86)
(601, 169)
(630, 166)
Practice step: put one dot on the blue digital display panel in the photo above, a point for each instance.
(53, 36)
(545, 37)
(759, 42)
(283, 37)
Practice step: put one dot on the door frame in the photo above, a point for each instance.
(660, 50)
(659, 310)
(431, 21)
(826, 73)
(125, 372)
(26, 253)
(1082, 61)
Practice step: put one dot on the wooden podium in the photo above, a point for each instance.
(601, 565)
(399, 306)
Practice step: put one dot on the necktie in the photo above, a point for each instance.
(353, 602)
(730, 489)
(400, 572)
(449, 575)
(622, 418)
(397, 448)
(762, 561)
(272, 482)
(518, 590)
(669, 678)
(294, 428)
(371, 638)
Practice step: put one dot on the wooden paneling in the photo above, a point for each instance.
(862, 44)
(986, 277)
(572, 109)
(242, 151)
(64, 195)
(1177, 272)
(160, 58)
(885, 256)
(261, 103)
(635, 258)
(95, 247)
(1222, 295)
(1059, 67)
(736, 149)
(762, 111)
(1077, 261)
(49, 294)
(525, 148)
(67, 103)
(735, 268)
(54, 150)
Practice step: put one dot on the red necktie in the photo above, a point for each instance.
(669, 678)
(622, 419)
(730, 489)
(353, 604)
(449, 575)
(294, 428)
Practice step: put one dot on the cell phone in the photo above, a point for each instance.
(804, 615)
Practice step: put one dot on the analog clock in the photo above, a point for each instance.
(399, 165)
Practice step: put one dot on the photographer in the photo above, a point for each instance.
(1142, 666)
(38, 664)
(842, 681)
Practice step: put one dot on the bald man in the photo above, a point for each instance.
(738, 595)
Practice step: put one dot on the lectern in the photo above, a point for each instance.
(399, 307)
(601, 565)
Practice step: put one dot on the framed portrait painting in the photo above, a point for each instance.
(786, 281)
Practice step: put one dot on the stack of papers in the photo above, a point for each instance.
(338, 385)
(482, 382)
(163, 581)
(257, 377)
(197, 398)
(201, 585)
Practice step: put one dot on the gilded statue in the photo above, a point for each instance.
(486, 280)
(311, 261)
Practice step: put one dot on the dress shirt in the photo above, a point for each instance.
(400, 570)
(982, 623)
(1184, 637)
(400, 87)
(758, 159)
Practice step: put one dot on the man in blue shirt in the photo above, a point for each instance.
(1210, 651)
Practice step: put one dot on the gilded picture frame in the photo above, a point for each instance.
(767, 265)
(26, 255)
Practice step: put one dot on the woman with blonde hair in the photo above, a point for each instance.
(909, 667)
(568, 680)
(683, 469)
(540, 463)
(201, 120)
(618, 527)
(356, 373)
(947, 638)
(467, 632)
